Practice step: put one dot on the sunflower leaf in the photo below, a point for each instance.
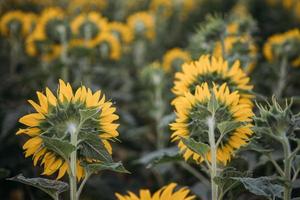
(63, 148)
(51, 187)
(197, 147)
(92, 147)
(263, 186)
(228, 126)
(113, 166)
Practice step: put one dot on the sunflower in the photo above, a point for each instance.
(79, 6)
(88, 26)
(174, 58)
(13, 23)
(284, 45)
(242, 48)
(109, 46)
(212, 70)
(121, 31)
(165, 193)
(191, 111)
(53, 118)
(142, 24)
(53, 26)
(162, 7)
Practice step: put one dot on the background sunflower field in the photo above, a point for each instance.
(139, 53)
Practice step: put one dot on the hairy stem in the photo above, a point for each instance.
(213, 152)
(82, 185)
(73, 130)
(287, 167)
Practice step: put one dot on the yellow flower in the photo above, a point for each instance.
(242, 48)
(15, 22)
(162, 7)
(283, 45)
(191, 110)
(53, 117)
(165, 193)
(174, 58)
(212, 70)
(109, 46)
(88, 26)
(142, 24)
(121, 31)
(79, 6)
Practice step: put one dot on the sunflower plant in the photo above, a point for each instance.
(70, 133)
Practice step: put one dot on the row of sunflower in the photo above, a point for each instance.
(71, 131)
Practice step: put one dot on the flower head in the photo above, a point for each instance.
(53, 118)
(284, 45)
(192, 111)
(238, 48)
(174, 58)
(121, 31)
(109, 46)
(165, 193)
(79, 6)
(213, 71)
(142, 24)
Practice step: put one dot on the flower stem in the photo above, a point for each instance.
(287, 167)
(64, 54)
(73, 163)
(282, 78)
(213, 151)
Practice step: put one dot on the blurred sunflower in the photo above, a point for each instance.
(53, 25)
(162, 7)
(55, 116)
(238, 48)
(142, 24)
(121, 31)
(192, 112)
(174, 58)
(109, 46)
(14, 23)
(88, 26)
(213, 71)
(79, 6)
(284, 45)
(165, 193)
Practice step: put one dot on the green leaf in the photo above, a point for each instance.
(63, 148)
(263, 186)
(197, 147)
(3, 173)
(95, 167)
(51, 187)
(228, 126)
(93, 147)
(212, 104)
(86, 114)
(161, 156)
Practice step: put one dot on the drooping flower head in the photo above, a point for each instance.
(87, 27)
(162, 7)
(53, 26)
(16, 23)
(142, 24)
(53, 118)
(192, 112)
(174, 58)
(284, 45)
(109, 46)
(213, 71)
(238, 48)
(165, 193)
(121, 31)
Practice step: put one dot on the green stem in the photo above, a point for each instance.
(73, 130)
(64, 53)
(82, 185)
(213, 151)
(282, 78)
(287, 167)
(159, 106)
